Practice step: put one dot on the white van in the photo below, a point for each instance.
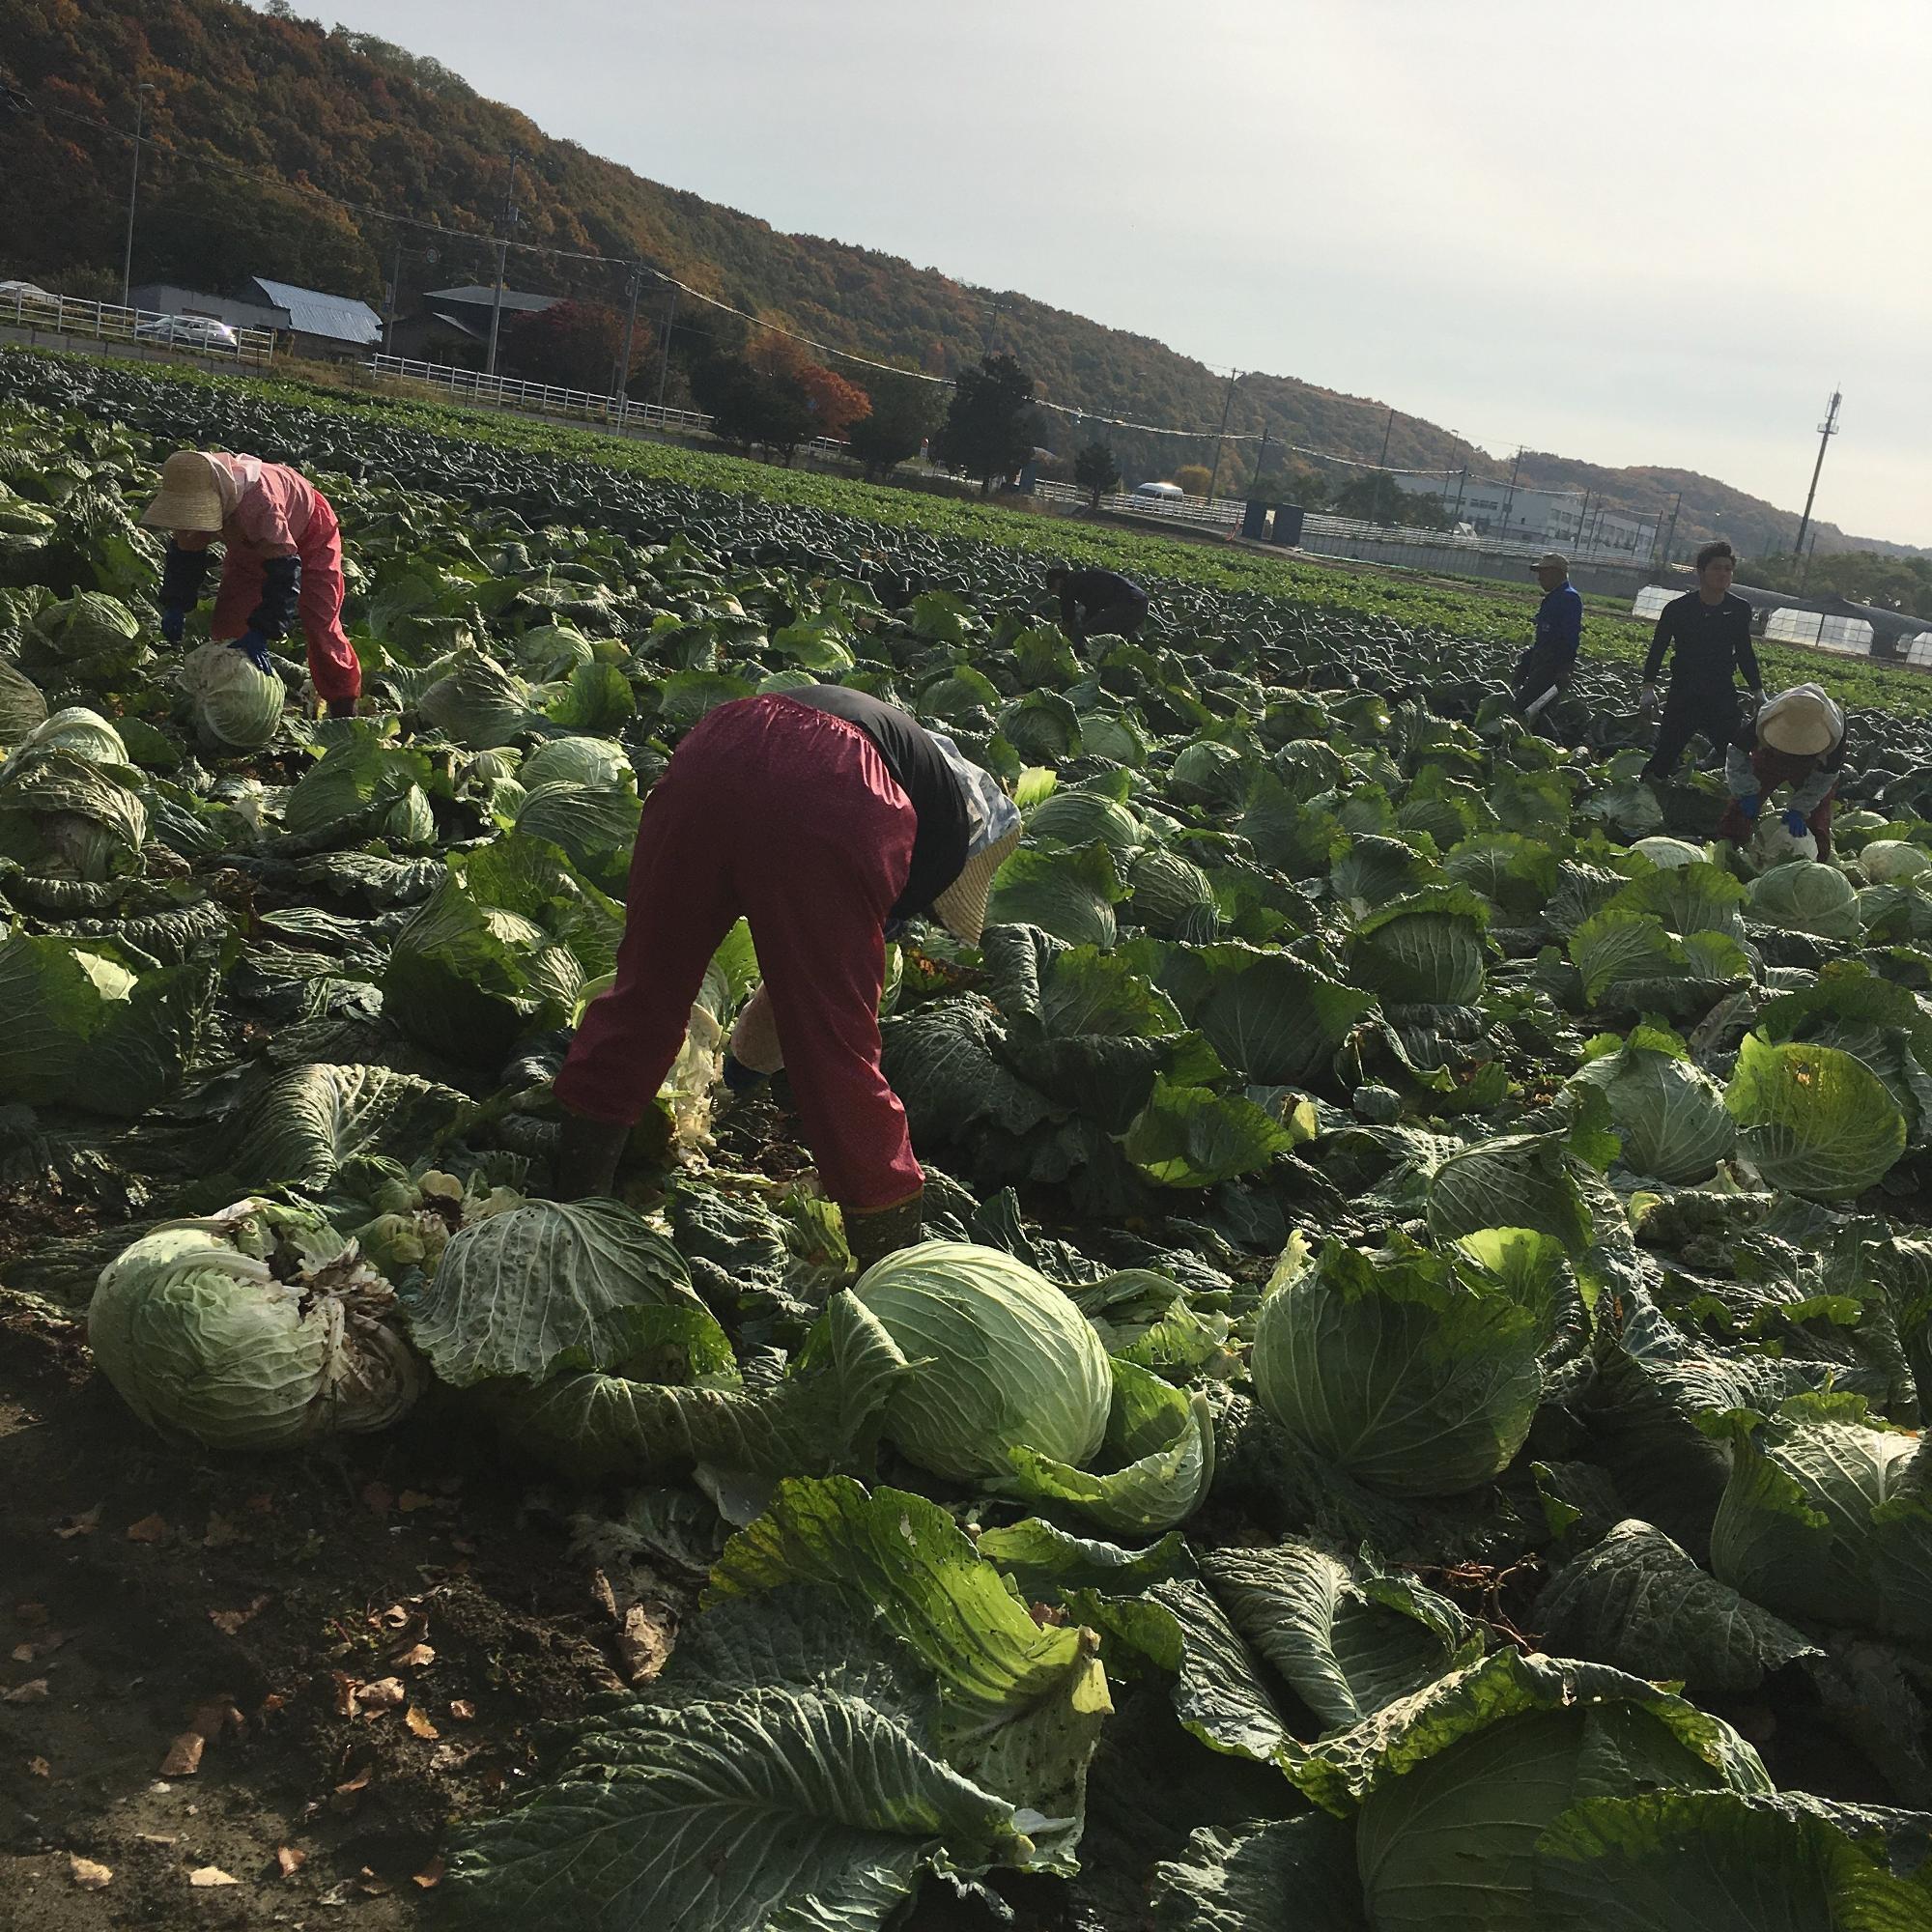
(1164, 492)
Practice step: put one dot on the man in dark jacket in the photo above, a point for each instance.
(1097, 603)
(1544, 670)
(1708, 633)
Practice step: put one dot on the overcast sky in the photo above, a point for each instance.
(1654, 232)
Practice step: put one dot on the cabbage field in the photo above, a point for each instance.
(1406, 1414)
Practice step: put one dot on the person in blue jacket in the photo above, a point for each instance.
(1544, 670)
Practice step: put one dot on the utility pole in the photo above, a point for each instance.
(663, 354)
(1664, 562)
(1805, 569)
(141, 93)
(1463, 483)
(1261, 455)
(993, 313)
(1221, 435)
(1827, 430)
(502, 262)
(1388, 429)
(621, 384)
(1509, 499)
(1582, 518)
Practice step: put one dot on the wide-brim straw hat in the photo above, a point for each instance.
(190, 498)
(1802, 722)
(961, 908)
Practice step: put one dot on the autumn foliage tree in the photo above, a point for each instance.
(836, 404)
(572, 345)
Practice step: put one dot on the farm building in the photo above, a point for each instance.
(324, 326)
(453, 324)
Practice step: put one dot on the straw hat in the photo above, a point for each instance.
(1802, 722)
(190, 498)
(961, 908)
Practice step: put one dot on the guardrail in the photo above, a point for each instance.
(144, 328)
(1224, 515)
(615, 413)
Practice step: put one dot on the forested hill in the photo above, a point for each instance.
(254, 113)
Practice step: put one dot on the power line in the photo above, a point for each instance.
(503, 243)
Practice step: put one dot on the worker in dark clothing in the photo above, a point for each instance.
(1097, 603)
(823, 816)
(1544, 670)
(1708, 631)
(1796, 739)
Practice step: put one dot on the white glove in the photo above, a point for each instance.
(1532, 710)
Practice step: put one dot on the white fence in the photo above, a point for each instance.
(615, 413)
(40, 314)
(1224, 515)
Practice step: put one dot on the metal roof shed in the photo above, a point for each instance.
(334, 318)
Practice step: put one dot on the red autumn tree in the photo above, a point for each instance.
(836, 404)
(574, 345)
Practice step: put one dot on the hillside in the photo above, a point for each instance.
(267, 128)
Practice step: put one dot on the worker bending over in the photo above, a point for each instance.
(282, 556)
(1796, 739)
(822, 816)
(1097, 603)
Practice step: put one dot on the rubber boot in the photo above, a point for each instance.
(588, 1153)
(873, 1236)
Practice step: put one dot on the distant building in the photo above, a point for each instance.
(1536, 516)
(307, 321)
(171, 298)
(453, 324)
(322, 325)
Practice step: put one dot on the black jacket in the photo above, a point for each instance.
(1708, 643)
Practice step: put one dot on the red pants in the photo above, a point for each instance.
(788, 816)
(332, 663)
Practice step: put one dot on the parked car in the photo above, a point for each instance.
(188, 331)
(1162, 493)
(26, 302)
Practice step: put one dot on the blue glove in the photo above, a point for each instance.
(174, 620)
(1794, 823)
(740, 1079)
(255, 648)
(1752, 804)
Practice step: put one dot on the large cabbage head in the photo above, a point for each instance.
(256, 1328)
(1669, 853)
(1828, 1518)
(1415, 1372)
(1888, 861)
(1080, 817)
(1003, 1360)
(1802, 895)
(91, 636)
(234, 704)
(1669, 1111)
(1470, 1775)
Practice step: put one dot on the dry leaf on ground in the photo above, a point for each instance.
(430, 1875)
(29, 1693)
(462, 1710)
(206, 1875)
(383, 1695)
(38, 1767)
(82, 1524)
(88, 1873)
(289, 1861)
(150, 1529)
(183, 1758)
(418, 1720)
(419, 1656)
